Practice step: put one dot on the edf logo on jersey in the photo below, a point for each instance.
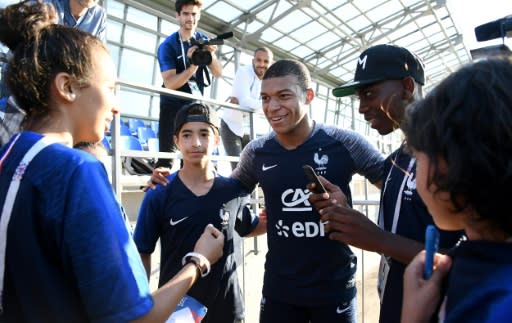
(296, 200)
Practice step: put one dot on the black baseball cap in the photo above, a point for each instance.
(196, 112)
(383, 62)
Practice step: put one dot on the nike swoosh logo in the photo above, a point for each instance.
(173, 223)
(342, 310)
(265, 168)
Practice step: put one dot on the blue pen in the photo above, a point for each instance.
(431, 245)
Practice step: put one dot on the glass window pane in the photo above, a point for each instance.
(134, 103)
(135, 37)
(142, 18)
(115, 8)
(114, 52)
(114, 31)
(136, 67)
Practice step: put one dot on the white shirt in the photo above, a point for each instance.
(247, 89)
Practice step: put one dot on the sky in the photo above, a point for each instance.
(469, 14)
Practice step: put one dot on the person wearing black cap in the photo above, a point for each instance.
(387, 79)
(194, 197)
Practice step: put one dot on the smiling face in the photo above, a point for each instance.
(382, 105)
(196, 142)
(95, 104)
(261, 62)
(285, 104)
(189, 17)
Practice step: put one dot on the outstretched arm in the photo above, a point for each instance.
(354, 228)
(167, 297)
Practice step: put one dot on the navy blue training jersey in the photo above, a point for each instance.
(178, 217)
(302, 265)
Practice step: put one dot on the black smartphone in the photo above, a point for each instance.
(310, 173)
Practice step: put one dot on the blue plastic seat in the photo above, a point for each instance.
(130, 143)
(154, 126)
(106, 142)
(134, 124)
(144, 133)
(124, 130)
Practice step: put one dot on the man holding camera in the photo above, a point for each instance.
(182, 70)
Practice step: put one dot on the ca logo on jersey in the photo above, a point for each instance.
(296, 200)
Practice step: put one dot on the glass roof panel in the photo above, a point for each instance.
(273, 10)
(270, 35)
(292, 21)
(330, 35)
(224, 10)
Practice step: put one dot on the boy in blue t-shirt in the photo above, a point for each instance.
(194, 197)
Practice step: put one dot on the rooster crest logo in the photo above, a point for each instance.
(321, 162)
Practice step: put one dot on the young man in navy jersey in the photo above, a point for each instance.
(195, 196)
(179, 73)
(308, 278)
(387, 79)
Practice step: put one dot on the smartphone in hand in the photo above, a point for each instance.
(431, 246)
(310, 173)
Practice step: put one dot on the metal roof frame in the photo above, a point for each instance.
(329, 35)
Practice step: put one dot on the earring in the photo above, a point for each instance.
(72, 96)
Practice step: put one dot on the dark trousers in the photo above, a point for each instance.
(232, 143)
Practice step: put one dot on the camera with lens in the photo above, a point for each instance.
(202, 56)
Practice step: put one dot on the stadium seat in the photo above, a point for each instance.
(134, 124)
(154, 126)
(124, 130)
(106, 142)
(130, 143)
(144, 133)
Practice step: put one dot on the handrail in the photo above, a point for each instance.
(183, 95)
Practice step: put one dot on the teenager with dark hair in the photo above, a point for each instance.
(195, 196)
